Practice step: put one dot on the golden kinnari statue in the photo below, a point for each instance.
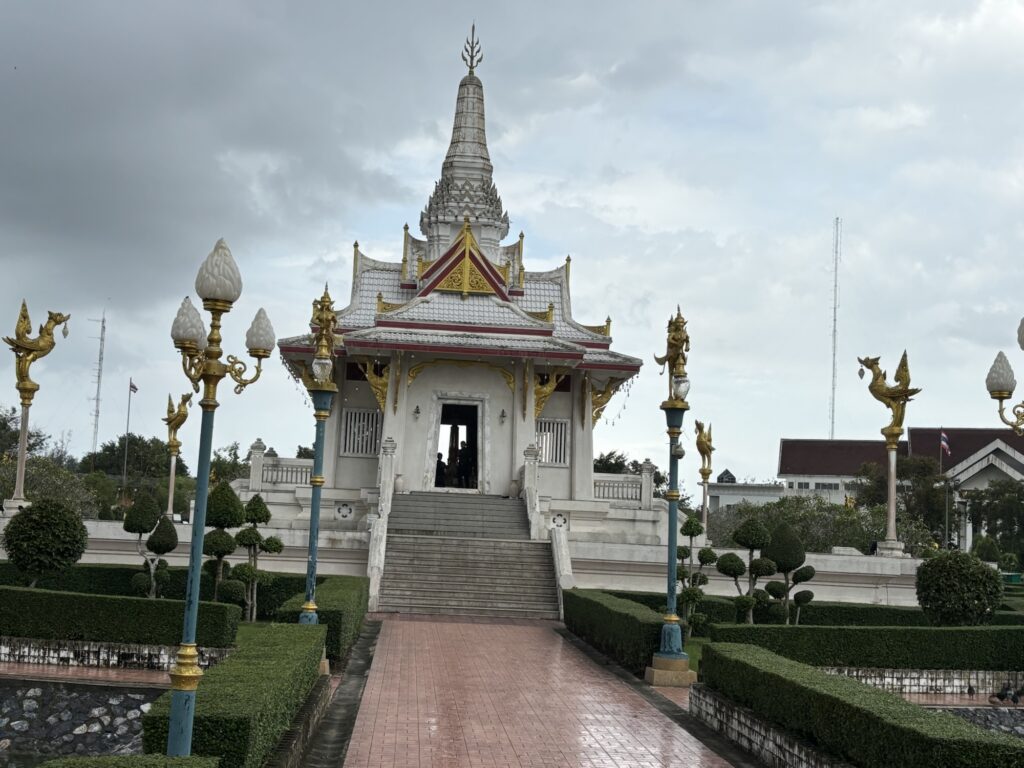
(27, 350)
(175, 419)
(676, 347)
(894, 397)
(705, 449)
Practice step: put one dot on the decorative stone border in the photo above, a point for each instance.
(949, 681)
(84, 653)
(774, 746)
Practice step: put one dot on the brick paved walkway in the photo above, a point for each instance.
(96, 675)
(444, 693)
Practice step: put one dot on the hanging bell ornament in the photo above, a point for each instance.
(861, 372)
(64, 332)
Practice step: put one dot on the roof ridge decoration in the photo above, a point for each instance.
(465, 269)
(471, 53)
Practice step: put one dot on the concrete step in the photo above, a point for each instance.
(455, 597)
(490, 611)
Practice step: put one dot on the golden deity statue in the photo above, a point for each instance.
(677, 345)
(324, 318)
(27, 350)
(705, 449)
(894, 397)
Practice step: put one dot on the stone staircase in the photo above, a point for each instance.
(466, 554)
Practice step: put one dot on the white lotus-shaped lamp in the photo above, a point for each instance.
(218, 279)
(188, 330)
(1000, 381)
(680, 386)
(260, 338)
(323, 367)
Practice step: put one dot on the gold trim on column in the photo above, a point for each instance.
(185, 673)
(316, 480)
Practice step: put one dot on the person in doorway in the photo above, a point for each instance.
(440, 472)
(465, 465)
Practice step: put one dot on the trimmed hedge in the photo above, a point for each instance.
(246, 703)
(133, 761)
(627, 631)
(341, 603)
(47, 615)
(995, 648)
(717, 609)
(853, 721)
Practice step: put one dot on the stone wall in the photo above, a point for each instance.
(64, 719)
(772, 745)
(985, 682)
(83, 653)
(1004, 720)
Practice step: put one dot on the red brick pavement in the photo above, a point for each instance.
(96, 675)
(488, 695)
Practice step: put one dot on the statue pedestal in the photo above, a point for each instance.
(890, 548)
(11, 506)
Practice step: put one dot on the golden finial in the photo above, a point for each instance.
(471, 54)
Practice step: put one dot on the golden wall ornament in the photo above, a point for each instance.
(175, 419)
(543, 390)
(894, 397)
(599, 398)
(705, 449)
(378, 382)
(27, 349)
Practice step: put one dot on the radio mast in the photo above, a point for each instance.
(837, 241)
(98, 378)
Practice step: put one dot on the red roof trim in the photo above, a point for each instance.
(548, 332)
(594, 344)
(464, 350)
(609, 367)
(451, 258)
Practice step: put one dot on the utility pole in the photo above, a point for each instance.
(836, 248)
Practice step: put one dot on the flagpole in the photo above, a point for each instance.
(945, 488)
(127, 427)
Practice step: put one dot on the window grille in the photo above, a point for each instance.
(360, 431)
(553, 441)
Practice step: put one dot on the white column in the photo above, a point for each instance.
(524, 425)
(647, 484)
(170, 486)
(582, 439)
(257, 452)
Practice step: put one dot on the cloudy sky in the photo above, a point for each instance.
(681, 152)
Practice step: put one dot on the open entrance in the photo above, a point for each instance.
(458, 447)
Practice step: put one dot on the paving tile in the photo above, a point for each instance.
(448, 693)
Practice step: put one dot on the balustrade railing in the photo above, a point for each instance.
(287, 471)
(617, 487)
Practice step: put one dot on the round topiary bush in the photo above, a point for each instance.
(232, 591)
(46, 538)
(141, 516)
(785, 549)
(691, 527)
(164, 538)
(752, 534)
(986, 549)
(956, 589)
(707, 556)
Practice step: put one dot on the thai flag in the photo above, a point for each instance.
(131, 386)
(944, 442)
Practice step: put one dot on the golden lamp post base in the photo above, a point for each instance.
(670, 673)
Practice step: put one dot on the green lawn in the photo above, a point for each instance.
(694, 649)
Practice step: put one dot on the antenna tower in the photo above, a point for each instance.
(98, 378)
(837, 244)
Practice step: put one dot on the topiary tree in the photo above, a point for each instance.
(800, 599)
(44, 539)
(223, 510)
(1009, 563)
(986, 548)
(752, 534)
(162, 540)
(256, 513)
(957, 589)
(144, 517)
(730, 564)
(787, 552)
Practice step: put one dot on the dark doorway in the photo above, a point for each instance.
(458, 443)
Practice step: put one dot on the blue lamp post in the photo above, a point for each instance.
(320, 383)
(671, 665)
(219, 285)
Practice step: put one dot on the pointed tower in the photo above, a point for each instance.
(466, 187)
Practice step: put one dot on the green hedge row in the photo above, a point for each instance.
(340, 604)
(626, 631)
(996, 648)
(721, 610)
(97, 579)
(47, 615)
(245, 703)
(133, 761)
(852, 721)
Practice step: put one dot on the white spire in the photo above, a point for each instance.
(466, 187)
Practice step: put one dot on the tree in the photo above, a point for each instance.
(223, 510)
(44, 479)
(986, 549)
(957, 589)
(1000, 508)
(692, 593)
(162, 540)
(256, 514)
(45, 539)
(752, 535)
(801, 598)
(144, 519)
(787, 552)
(104, 490)
(304, 452)
(920, 489)
(147, 457)
(227, 464)
(618, 463)
(10, 434)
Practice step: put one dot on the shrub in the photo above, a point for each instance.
(957, 589)
(848, 719)
(142, 516)
(787, 552)
(997, 648)
(713, 609)
(47, 615)
(340, 604)
(44, 539)
(986, 549)
(256, 513)
(730, 564)
(626, 631)
(223, 510)
(752, 534)
(232, 591)
(133, 761)
(246, 702)
(801, 598)
(1009, 563)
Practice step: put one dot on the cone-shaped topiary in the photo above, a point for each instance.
(256, 511)
(787, 550)
(164, 538)
(986, 548)
(218, 544)
(46, 538)
(141, 516)
(223, 508)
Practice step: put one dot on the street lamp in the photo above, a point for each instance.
(671, 665)
(319, 381)
(1000, 384)
(219, 285)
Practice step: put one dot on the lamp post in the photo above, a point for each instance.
(175, 419)
(219, 285)
(671, 665)
(1000, 384)
(894, 397)
(26, 351)
(319, 381)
